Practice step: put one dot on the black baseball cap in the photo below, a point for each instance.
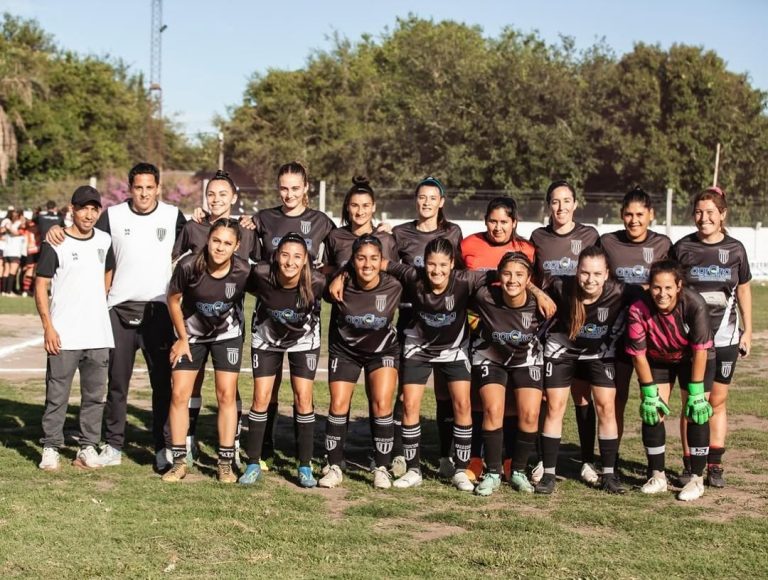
(84, 195)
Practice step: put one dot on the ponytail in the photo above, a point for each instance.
(578, 310)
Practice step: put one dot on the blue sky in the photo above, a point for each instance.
(211, 48)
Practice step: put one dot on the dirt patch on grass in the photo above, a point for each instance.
(736, 422)
(418, 530)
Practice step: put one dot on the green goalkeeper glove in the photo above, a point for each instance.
(697, 409)
(651, 405)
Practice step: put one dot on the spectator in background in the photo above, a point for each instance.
(15, 248)
(45, 220)
(30, 260)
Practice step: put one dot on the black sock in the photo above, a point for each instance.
(411, 445)
(6, 284)
(608, 450)
(715, 456)
(268, 450)
(194, 412)
(239, 407)
(493, 443)
(477, 434)
(397, 417)
(698, 443)
(226, 454)
(654, 440)
(305, 436)
(254, 442)
(335, 437)
(179, 453)
(510, 436)
(462, 444)
(384, 437)
(687, 463)
(550, 447)
(523, 447)
(444, 418)
(586, 424)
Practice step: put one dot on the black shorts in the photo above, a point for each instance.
(12, 260)
(668, 373)
(725, 363)
(559, 373)
(414, 372)
(225, 355)
(268, 363)
(511, 377)
(346, 366)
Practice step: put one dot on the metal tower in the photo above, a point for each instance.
(155, 122)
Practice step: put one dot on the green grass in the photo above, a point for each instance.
(124, 521)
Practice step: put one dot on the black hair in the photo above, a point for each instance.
(201, 259)
(559, 183)
(430, 181)
(667, 266)
(360, 185)
(223, 176)
(143, 168)
(439, 245)
(509, 205)
(517, 258)
(306, 296)
(50, 204)
(578, 312)
(637, 195)
(295, 168)
(366, 239)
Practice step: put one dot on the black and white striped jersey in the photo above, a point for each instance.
(506, 336)
(280, 323)
(715, 271)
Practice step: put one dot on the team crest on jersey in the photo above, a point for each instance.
(648, 255)
(229, 289)
(576, 247)
(610, 372)
(381, 302)
(526, 318)
(161, 234)
(102, 254)
(602, 314)
(449, 302)
(725, 369)
(535, 373)
(233, 355)
(306, 227)
(388, 362)
(312, 362)
(723, 255)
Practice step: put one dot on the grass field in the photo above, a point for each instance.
(123, 521)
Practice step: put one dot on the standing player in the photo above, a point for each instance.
(507, 355)
(45, 220)
(15, 248)
(631, 252)
(286, 320)
(558, 246)
(716, 266)
(669, 337)
(591, 312)
(437, 336)
(74, 340)
(412, 239)
(143, 231)
(362, 336)
(221, 195)
(205, 300)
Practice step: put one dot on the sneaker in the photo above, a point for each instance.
(694, 489)
(475, 468)
(399, 467)
(411, 478)
(656, 484)
(163, 460)
(177, 472)
(447, 468)
(507, 469)
(461, 480)
(537, 473)
(263, 464)
(237, 461)
(520, 482)
(547, 484)
(252, 474)
(50, 459)
(306, 478)
(715, 476)
(685, 477)
(224, 473)
(589, 474)
(381, 478)
(332, 478)
(87, 458)
(612, 484)
(490, 483)
(110, 456)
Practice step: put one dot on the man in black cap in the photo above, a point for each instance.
(77, 331)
